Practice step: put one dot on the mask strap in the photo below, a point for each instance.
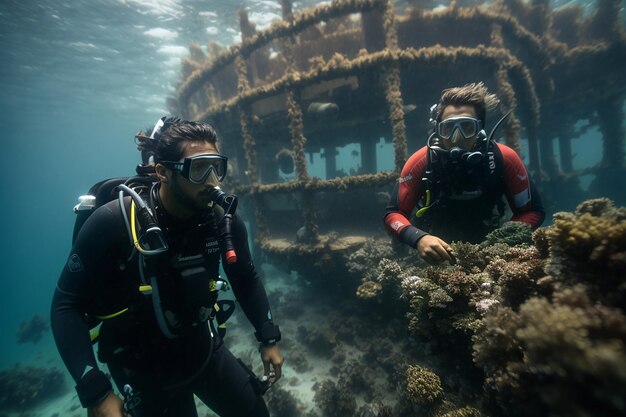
(157, 127)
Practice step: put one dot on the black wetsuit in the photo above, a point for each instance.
(100, 280)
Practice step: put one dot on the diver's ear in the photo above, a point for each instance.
(162, 173)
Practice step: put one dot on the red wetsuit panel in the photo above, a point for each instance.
(409, 185)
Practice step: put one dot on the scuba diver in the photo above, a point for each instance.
(146, 266)
(458, 180)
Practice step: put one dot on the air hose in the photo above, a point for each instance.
(229, 204)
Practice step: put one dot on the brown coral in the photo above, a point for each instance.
(590, 247)
(369, 289)
(553, 351)
(423, 387)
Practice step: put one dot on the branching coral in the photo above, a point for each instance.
(590, 247)
(364, 261)
(567, 356)
(516, 275)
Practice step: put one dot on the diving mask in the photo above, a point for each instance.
(468, 127)
(198, 168)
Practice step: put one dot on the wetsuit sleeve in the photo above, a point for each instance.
(404, 198)
(73, 297)
(248, 287)
(520, 191)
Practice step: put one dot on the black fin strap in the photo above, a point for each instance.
(93, 387)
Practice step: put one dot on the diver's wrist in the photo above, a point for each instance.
(93, 388)
(268, 334)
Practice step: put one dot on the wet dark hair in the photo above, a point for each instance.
(169, 144)
(475, 95)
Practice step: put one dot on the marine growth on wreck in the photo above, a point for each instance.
(360, 71)
(525, 323)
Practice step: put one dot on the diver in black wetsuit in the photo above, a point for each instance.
(155, 303)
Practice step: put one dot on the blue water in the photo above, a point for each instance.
(77, 80)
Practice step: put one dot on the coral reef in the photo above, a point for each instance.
(374, 410)
(463, 412)
(589, 246)
(511, 233)
(538, 319)
(359, 262)
(356, 377)
(22, 388)
(369, 289)
(33, 330)
(423, 387)
(282, 403)
(542, 357)
(334, 400)
(564, 355)
(318, 341)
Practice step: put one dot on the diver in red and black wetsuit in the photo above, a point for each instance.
(156, 292)
(458, 180)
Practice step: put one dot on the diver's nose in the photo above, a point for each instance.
(457, 138)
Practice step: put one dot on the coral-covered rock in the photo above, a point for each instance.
(356, 377)
(318, 341)
(374, 410)
(334, 399)
(463, 412)
(369, 289)
(517, 275)
(423, 387)
(22, 388)
(510, 233)
(364, 261)
(282, 403)
(567, 355)
(297, 359)
(590, 247)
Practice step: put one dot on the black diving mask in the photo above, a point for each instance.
(198, 168)
(467, 126)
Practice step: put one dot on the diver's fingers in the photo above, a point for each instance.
(277, 372)
(442, 252)
(436, 255)
(266, 367)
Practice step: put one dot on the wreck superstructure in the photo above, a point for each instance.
(360, 72)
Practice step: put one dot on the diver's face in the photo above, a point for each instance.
(189, 195)
(457, 139)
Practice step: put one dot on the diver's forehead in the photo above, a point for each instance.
(198, 148)
(464, 110)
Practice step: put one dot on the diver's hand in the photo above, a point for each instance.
(270, 355)
(434, 250)
(111, 406)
